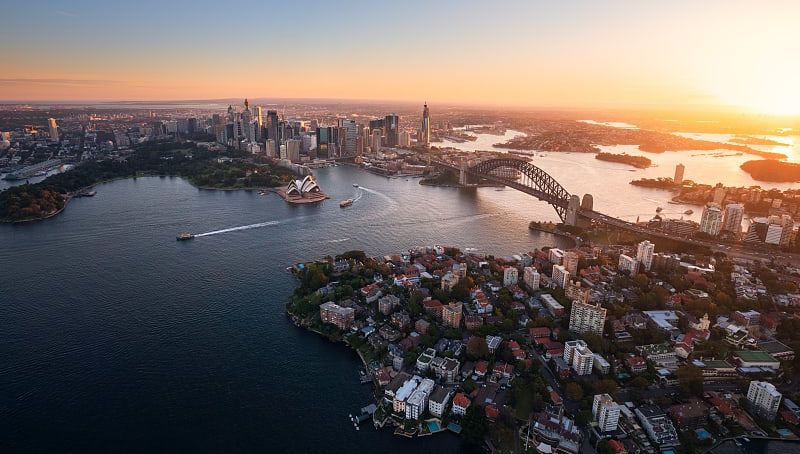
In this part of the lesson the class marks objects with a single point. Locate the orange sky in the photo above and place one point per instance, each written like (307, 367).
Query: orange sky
(617, 53)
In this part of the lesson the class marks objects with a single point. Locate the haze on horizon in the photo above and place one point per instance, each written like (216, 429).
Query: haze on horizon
(731, 54)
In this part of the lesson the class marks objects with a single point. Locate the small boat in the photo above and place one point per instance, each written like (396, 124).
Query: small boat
(688, 212)
(184, 236)
(659, 209)
(346, 203)
(355, 185)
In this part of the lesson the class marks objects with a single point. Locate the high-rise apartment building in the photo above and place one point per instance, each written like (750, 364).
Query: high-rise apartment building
(627, 263)
(451, 314)
(531, 278)
(605, 413)
(578, 356)
(570, 262)
(644, 254)
(764, 399)
(587, 318)
(510, 276)
(679, 174)
(560, 276)
(711, 220)
(732, 218)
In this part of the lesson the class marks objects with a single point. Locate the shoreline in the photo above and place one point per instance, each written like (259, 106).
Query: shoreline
(68, 198)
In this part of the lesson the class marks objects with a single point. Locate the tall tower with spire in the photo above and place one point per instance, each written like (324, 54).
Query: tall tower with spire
(425, 130)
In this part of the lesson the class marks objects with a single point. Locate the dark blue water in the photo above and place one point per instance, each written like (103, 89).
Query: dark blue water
(114, 337)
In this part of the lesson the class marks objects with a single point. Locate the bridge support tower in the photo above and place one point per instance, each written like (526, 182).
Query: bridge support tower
(463, 178)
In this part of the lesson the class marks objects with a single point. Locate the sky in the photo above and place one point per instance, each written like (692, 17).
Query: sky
(574, 54)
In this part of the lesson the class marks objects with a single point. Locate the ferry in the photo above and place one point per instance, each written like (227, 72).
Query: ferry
(346, 203)
(184, 236)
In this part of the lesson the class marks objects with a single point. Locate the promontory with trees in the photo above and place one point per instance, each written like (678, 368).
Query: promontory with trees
(202, 168)
(637, 161)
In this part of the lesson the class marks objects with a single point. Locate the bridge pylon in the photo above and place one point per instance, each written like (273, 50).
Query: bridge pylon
(573, 208)
(463, 178)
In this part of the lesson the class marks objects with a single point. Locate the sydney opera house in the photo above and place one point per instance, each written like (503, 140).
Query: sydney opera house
(303, 191)
(302, 187)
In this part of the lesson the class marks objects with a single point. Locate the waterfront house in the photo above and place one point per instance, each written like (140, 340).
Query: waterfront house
(437, 402)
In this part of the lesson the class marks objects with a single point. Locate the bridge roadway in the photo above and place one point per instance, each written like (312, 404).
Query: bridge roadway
(747, 252)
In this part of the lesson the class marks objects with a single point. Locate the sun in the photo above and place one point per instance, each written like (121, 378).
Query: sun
(766, 85)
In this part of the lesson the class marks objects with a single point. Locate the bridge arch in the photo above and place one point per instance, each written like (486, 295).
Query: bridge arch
(526, 178)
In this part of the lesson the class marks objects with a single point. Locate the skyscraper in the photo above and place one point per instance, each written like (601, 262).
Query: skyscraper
(732, 218)
(376, 140)
(293, 150)
(348, 135)
(644, 254)
(425, 131)
(679, 174)
(391, 128)
(711, 220)
(51, 122)
(405, 139)
(272, 126)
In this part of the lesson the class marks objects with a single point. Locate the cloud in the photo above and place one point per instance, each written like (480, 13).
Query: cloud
(66, 14)
(58, 81)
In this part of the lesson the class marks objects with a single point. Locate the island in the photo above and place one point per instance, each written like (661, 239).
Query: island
(749, 140)
(773, 171)
(636, 161)
(658, 183)
(204, 169)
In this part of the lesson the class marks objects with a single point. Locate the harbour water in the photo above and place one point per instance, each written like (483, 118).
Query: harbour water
(115, 337)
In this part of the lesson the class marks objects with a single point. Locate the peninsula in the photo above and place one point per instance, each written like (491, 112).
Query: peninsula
(516, 350)
(204, 169)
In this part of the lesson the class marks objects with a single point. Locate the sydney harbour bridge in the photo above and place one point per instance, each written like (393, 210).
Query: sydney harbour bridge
(522, 175)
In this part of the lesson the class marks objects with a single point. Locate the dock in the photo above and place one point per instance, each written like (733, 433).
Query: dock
(366, 413)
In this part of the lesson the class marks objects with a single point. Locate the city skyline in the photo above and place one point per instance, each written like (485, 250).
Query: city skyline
(619, 54)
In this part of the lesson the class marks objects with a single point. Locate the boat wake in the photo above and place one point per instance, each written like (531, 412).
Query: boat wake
(391, 201)
(243, 227)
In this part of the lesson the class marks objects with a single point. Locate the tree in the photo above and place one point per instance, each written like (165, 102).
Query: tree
(606, 386)
(477, 348)
(639, 382)
(474, 428)
(604, 448)
(690, 379)
(574, 391)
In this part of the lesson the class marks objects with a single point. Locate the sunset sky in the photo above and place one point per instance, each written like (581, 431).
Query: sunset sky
(522, 53)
